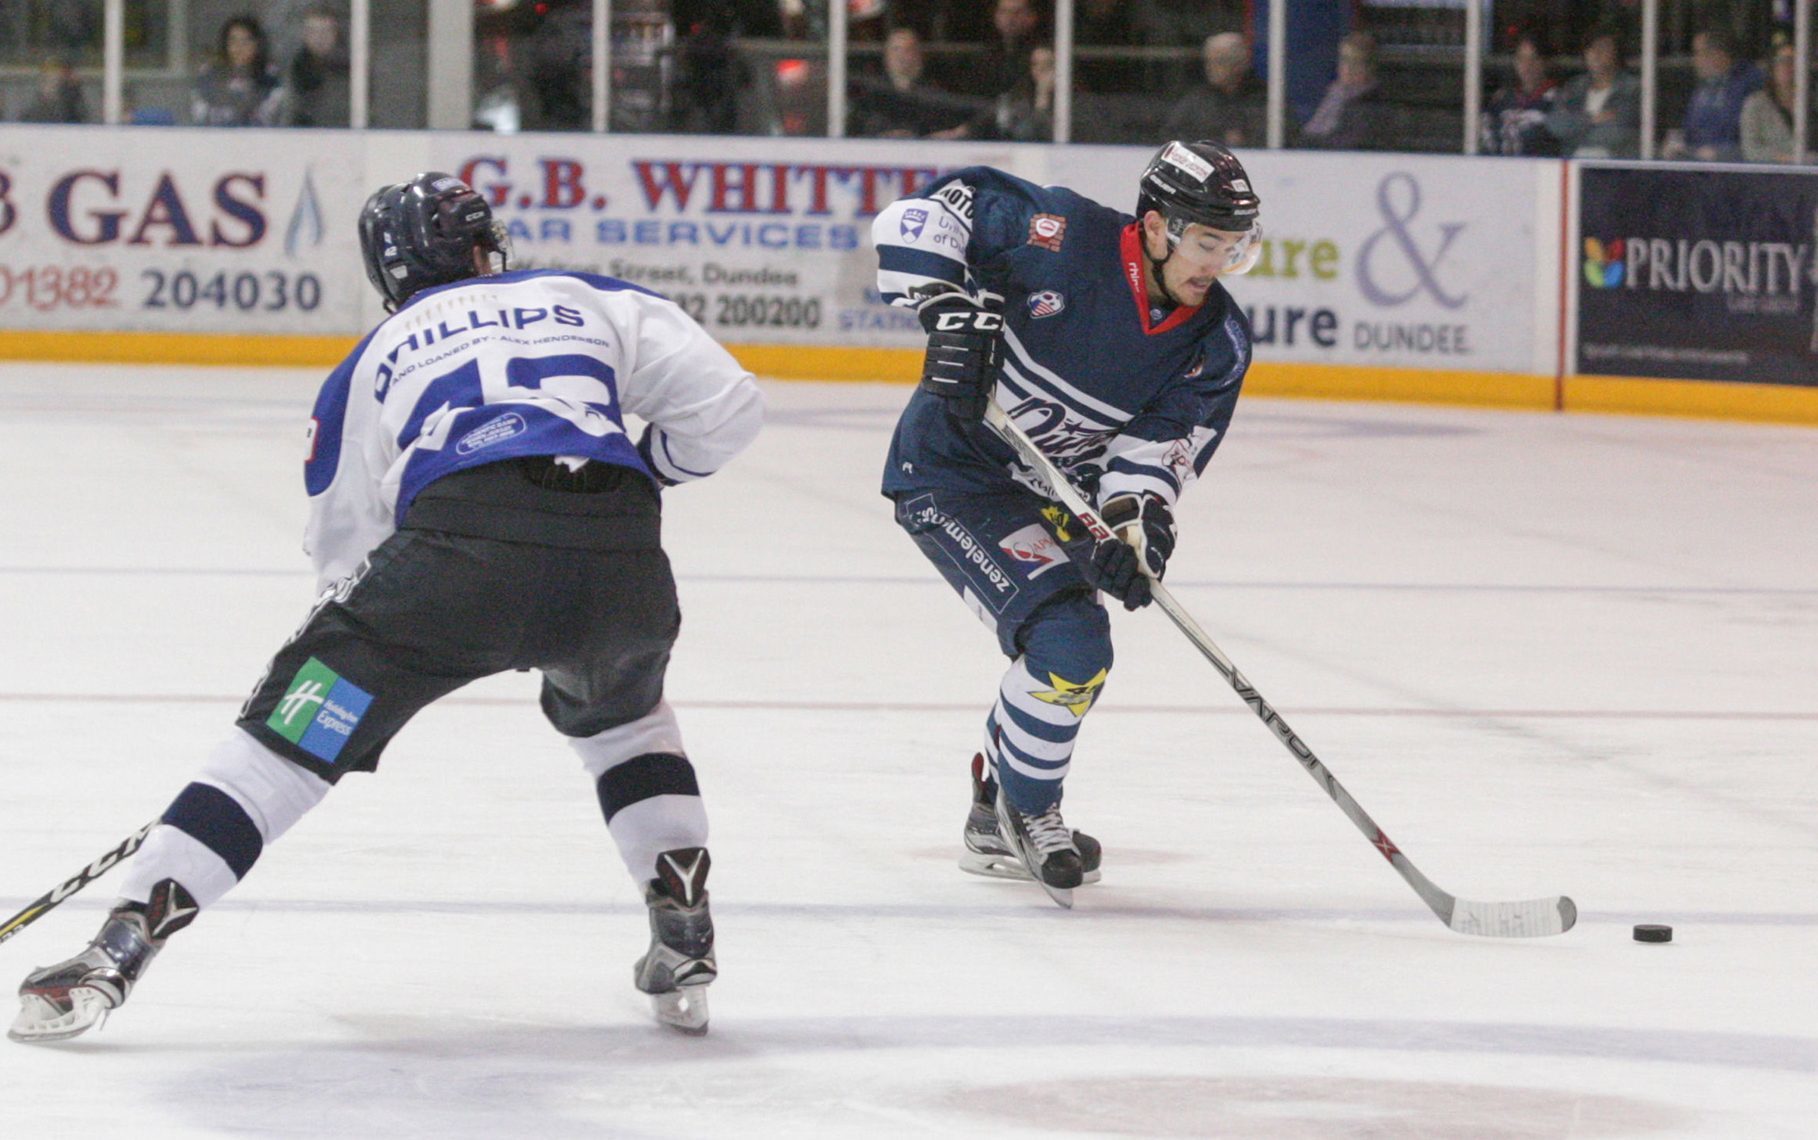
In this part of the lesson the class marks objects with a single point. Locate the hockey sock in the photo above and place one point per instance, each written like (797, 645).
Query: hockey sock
(647, 789)
(245, 797)
(1034, 722)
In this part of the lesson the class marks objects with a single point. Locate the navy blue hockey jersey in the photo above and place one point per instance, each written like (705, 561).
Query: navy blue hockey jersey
(1126, 398)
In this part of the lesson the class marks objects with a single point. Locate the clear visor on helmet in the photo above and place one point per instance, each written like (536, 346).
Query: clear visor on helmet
(1232, 252)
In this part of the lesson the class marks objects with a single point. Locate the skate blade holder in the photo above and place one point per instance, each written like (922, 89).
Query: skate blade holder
(40, 1021)
(683, 1008)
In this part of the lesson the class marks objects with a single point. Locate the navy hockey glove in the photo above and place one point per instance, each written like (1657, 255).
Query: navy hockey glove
(1147, 525)
(1115, 569)
(965, 344)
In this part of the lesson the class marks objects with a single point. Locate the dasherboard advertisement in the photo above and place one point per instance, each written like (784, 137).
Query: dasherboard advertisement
(180, 230)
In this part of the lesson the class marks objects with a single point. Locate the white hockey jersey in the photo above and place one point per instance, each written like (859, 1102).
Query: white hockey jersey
(531, 362)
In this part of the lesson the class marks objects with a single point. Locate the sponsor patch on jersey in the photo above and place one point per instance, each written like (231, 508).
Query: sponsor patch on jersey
(1179, 459)
(1181, 158)
(957, 196)
(1034, 546)
(319, 711)
(1046, 303)
(913, 220)
(1047, 231)
(309, 437)
(492, 431)
(992, 583)
(1074, 696)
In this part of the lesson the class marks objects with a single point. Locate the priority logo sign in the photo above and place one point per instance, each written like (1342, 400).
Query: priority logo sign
(319, 711)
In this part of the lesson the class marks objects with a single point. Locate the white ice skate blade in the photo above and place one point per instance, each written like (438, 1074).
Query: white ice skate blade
(1006, 866)
(41, 1021)
(684, 1008)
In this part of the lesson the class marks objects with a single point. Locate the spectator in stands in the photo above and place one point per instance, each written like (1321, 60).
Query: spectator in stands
(1232, 106)
(1767, 115)
(59, 96)
(1025, 113)
(1353, 114)
(1515, 121)
(317, 85)
(708, 72)
(904, 104)
(1016, 26)
(1713, 120)
(1598, 114)
(559, 75)
(239, 87)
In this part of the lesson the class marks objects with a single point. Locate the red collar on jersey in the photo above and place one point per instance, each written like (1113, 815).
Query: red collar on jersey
(1133, 273)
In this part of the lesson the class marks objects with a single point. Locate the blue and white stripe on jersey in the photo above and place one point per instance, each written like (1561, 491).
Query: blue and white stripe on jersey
(921, 242)
(527, 363)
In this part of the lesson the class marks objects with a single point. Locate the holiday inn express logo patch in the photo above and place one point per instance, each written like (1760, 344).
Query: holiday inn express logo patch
(319, 710)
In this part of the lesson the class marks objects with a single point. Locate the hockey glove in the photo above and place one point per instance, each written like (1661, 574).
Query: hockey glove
(1147, 525)
(1116, 569)
(965, 344)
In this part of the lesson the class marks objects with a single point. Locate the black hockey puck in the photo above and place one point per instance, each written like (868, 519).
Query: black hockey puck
(1648, 932)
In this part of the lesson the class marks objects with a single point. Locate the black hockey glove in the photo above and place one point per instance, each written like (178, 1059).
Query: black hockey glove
(1115, 569)
(1124, 566)
(1147, 525)
(965, 344)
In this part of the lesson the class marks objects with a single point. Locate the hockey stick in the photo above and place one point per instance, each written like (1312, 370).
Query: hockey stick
(1525, 919)
(76, 882)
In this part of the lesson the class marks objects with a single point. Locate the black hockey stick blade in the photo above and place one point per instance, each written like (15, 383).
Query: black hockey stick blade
(43, 903)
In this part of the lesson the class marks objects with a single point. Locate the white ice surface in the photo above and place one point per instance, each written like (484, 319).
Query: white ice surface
(1547, 653)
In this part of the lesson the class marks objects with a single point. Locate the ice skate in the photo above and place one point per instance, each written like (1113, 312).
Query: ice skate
(63, 1001)
(1045, 846)
(677, 968)
(986, 851)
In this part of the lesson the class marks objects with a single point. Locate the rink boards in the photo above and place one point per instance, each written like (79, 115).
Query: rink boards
(1500, 282)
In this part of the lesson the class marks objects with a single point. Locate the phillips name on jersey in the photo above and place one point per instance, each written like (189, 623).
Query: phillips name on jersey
(524, 363)
(1124, 396)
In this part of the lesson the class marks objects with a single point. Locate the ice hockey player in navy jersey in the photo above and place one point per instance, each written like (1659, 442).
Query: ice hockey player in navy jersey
(476, 506)
(1109, 339)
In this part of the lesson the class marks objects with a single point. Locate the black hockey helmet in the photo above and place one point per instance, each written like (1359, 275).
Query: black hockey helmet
(1188, 182)
(1198, 182)
(421, 233)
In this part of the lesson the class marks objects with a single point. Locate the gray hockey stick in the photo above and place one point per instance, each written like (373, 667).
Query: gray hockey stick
(1528, 918)
(74, 883)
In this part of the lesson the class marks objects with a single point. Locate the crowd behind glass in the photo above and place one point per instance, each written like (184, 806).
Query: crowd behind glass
(1558, 73)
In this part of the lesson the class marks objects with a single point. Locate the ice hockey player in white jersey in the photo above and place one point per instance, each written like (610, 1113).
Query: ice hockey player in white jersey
(1110, 340)
(476, 506)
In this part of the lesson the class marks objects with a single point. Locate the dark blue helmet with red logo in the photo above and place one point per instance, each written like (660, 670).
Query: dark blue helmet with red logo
(423, 233)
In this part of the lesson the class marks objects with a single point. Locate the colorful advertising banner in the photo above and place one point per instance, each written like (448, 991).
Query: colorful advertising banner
(760, 240)
(1400, 261)
(177, 230)
(1697, 274)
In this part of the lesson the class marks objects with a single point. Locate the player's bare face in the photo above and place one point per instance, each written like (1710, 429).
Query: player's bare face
(1201, 256)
